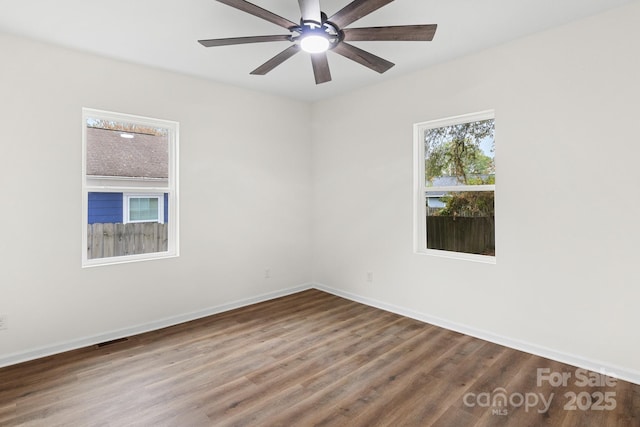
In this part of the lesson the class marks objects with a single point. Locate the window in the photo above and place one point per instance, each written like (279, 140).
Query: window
(130, 200)
(455, 187)
(143, 208)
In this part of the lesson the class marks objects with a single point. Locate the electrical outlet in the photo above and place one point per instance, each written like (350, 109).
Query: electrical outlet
(3, 321)
(267, 273)
(370, 276)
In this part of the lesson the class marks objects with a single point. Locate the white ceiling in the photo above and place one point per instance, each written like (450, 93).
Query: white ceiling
(163, 34)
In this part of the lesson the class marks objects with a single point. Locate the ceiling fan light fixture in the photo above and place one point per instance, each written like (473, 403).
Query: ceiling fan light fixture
(314, 43)
(317, 33)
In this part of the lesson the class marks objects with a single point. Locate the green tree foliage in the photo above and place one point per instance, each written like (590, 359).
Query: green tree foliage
(469, 203)
(454, 151)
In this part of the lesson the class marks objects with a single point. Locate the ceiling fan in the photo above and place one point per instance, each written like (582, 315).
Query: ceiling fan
(316, 34)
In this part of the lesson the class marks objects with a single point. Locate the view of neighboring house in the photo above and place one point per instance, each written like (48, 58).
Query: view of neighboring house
(435, 198)
(126, 160)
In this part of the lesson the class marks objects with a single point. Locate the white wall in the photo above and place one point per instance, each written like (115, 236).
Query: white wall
(244, 199)
(567, 205)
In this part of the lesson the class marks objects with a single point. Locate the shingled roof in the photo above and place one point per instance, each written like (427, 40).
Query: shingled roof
(143, 156)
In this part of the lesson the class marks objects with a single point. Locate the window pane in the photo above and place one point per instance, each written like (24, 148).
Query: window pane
(143, 209)
(461, 221)
(127, 150)
(460, 154)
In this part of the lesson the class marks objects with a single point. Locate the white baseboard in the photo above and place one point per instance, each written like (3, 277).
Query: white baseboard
(570, 359)
(37, 353)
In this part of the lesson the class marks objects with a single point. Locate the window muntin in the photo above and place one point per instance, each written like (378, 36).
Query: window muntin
(455, 187)
(129, 166)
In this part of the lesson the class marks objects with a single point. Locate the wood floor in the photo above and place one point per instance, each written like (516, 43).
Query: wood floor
(301, 360)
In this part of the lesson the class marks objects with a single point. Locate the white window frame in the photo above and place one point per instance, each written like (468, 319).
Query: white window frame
(420, 187)
(151, 188)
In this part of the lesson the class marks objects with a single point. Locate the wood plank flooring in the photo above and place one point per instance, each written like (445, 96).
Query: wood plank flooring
(306, 359)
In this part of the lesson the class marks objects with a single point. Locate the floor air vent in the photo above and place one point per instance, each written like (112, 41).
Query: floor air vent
(106, 343)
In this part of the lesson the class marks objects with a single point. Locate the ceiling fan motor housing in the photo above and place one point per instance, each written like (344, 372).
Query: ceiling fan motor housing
(325, 30)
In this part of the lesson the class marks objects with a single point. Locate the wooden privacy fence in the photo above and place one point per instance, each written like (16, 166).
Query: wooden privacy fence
(472, 235)
(109, 239)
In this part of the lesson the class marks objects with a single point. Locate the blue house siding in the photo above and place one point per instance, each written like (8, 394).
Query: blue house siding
(105, 208)
(166, 208)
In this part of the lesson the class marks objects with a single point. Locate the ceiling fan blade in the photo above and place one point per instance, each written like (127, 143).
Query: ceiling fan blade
(243, 40)
(362, 57)
(310, 10)
(254, 10)
(320, 67)
(356, 10)
(397, 33)
(276, 60)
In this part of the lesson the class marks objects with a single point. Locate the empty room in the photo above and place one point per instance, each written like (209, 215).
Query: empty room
(333, 212)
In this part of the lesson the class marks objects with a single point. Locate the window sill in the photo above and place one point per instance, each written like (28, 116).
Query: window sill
(97, 262)
(484, 259)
